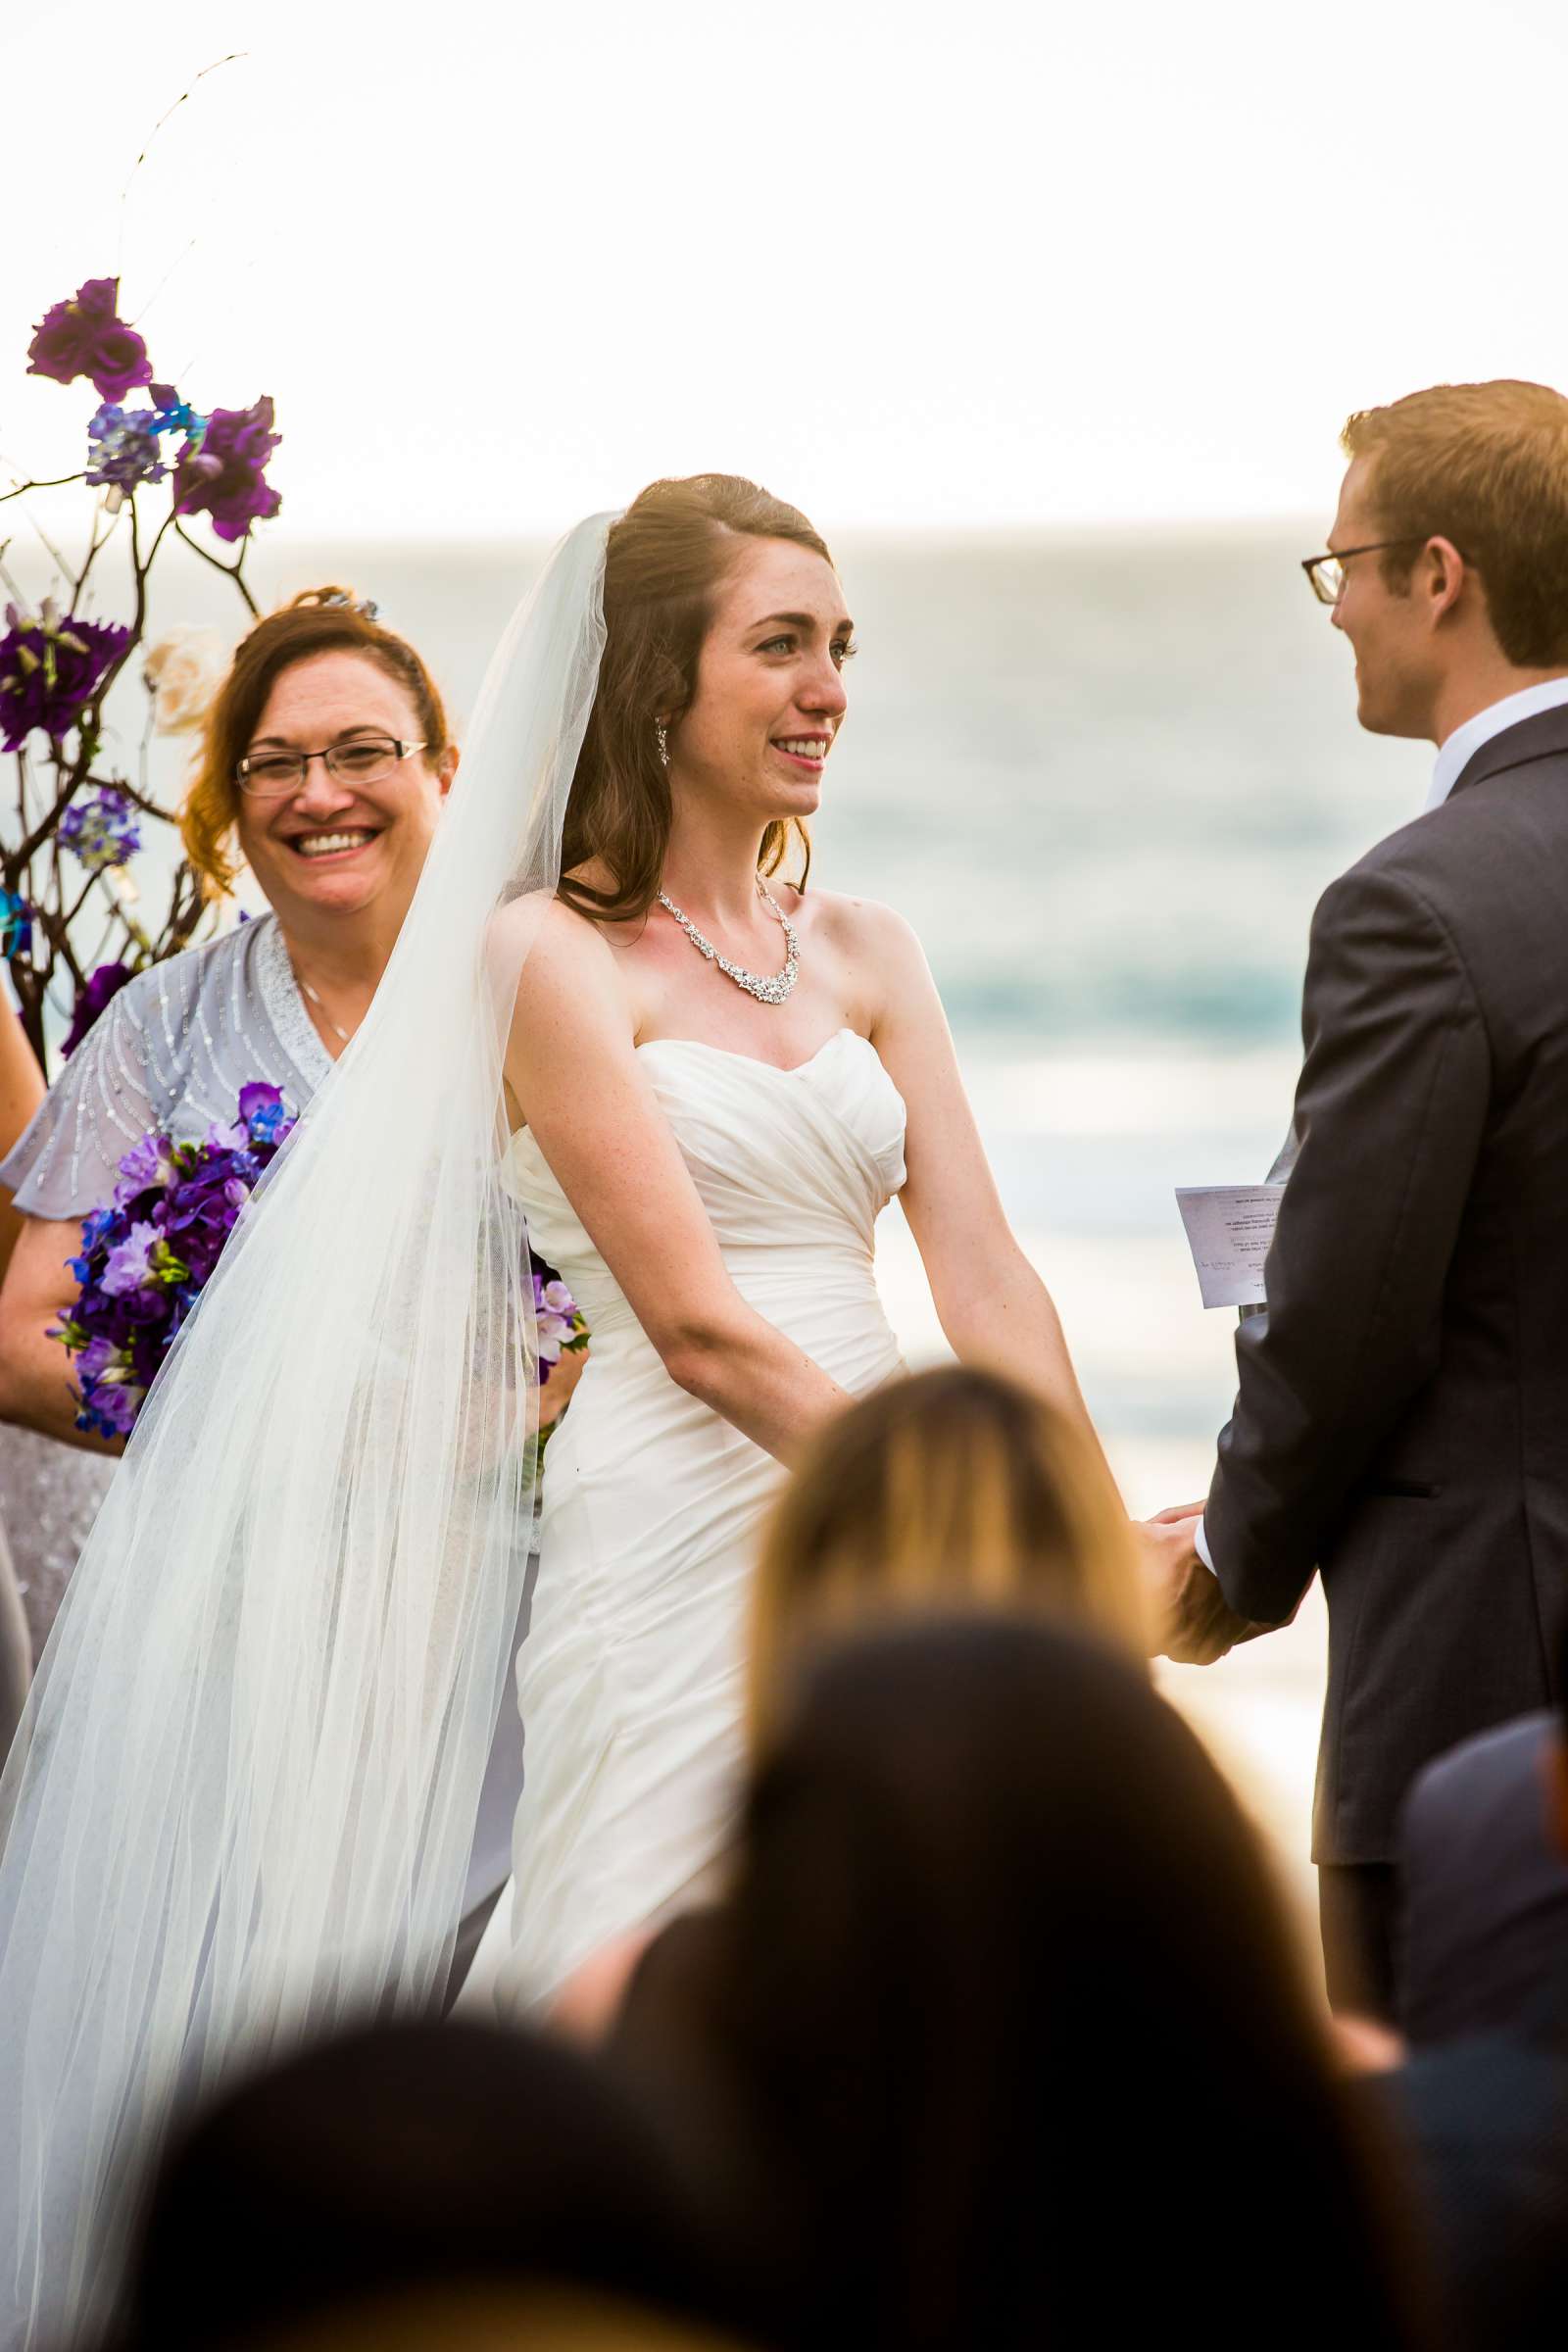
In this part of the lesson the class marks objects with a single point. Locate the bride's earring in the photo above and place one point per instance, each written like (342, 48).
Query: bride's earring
(662, 739)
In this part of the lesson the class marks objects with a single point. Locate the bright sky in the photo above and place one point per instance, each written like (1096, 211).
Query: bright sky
(973, 263)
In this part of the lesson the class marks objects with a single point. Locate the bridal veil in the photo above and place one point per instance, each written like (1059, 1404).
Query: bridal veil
(240, 1805)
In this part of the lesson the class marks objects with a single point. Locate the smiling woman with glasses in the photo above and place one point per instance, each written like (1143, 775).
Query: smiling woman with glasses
(322, 771)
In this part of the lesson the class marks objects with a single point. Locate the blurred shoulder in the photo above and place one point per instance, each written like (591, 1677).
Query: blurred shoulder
(1509, 1758)
(857, 927)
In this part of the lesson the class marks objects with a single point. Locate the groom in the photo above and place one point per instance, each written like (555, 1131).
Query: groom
(1401, 1420)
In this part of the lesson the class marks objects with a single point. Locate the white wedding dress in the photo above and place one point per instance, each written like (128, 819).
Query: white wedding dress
(629, 1679)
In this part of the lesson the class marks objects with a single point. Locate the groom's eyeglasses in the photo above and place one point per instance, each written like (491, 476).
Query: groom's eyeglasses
(1326, 573)
(365, 760)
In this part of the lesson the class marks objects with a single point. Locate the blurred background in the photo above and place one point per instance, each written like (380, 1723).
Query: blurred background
(1050, 324)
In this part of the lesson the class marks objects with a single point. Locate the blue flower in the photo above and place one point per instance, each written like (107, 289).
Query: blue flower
(124, 450)
(173, 415)
(16, 924)
(101, 831)
(96, 1228)
(265, 1113)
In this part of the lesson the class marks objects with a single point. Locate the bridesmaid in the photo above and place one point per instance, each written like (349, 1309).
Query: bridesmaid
(326, 761)
(324, 768)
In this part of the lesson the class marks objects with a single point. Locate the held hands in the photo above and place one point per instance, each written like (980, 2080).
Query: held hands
(1187, 1609)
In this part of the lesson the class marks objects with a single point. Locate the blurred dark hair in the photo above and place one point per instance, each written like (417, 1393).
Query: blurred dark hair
(410, 2156)
(1012, 2038)
(664, 561)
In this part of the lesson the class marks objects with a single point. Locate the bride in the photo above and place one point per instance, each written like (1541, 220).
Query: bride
(241, 1800)
(717, 1082)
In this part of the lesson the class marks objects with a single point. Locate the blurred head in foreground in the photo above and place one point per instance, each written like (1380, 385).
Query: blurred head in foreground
(415, 2158)
(1453, 522)
(1009, 2024)
(951, 1489)
(496, 2318)
(1556, 1763)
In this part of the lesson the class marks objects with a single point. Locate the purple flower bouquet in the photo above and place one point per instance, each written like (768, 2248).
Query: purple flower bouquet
(146, 1257)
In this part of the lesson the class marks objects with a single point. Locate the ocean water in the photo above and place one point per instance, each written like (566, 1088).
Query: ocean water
(1107, 778)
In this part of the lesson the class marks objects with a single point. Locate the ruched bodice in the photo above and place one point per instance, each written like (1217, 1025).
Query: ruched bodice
(785, 1162)
(629, 1678)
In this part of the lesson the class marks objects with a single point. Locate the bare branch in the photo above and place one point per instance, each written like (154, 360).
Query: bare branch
(230, 571)
(58, 483)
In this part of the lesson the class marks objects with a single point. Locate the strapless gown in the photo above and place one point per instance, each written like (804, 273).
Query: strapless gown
(629, 1678)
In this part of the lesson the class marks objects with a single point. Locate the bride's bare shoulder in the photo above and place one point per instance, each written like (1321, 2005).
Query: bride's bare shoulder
(860, 928)
(565, 972)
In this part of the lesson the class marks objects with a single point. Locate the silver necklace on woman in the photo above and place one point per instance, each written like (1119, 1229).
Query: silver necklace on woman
(769, 988)
(346, 1036)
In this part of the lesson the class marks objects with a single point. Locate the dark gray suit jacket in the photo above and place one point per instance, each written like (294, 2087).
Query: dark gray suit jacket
(1484, 1889)
(1401, 1421)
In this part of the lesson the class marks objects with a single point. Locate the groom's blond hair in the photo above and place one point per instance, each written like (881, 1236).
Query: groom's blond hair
(1485, 466)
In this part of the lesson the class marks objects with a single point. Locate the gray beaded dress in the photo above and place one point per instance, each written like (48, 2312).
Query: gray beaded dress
(171, 1051)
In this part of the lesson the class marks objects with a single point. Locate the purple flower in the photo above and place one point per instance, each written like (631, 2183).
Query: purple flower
(104, 986)
(109, 1407)
(102, 1361)
(86, 336)
(557, 1320)
(221, 470)
(148, 1166)
(130, 1266)
(101, 831)
(50, 667)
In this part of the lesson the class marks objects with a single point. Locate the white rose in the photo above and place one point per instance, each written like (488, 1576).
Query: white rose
(183, 671)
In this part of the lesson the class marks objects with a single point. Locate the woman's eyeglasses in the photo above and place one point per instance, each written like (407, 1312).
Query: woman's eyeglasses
(363, 759)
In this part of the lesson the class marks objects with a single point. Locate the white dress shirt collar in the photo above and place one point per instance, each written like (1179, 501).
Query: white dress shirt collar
(1465, 743)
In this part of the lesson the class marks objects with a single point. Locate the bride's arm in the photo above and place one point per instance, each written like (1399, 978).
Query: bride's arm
(572, 1067)
(992, 1304)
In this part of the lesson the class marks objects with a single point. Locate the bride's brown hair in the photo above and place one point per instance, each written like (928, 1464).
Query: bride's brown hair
(664, 559)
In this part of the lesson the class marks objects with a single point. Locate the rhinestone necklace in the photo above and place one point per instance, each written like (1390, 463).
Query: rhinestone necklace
(769, 988)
